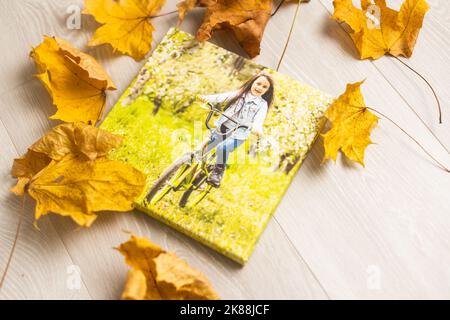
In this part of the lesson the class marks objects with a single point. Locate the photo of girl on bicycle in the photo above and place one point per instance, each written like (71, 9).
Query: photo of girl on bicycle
(220, 138)
(244, 113)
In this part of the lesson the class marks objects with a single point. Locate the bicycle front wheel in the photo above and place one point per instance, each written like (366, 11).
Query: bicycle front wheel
(196, 193)
(168, 180)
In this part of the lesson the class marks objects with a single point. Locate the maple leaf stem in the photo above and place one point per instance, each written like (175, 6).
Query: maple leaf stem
(16, 237)
(429, 85)
(277, 8)
(289, 36)
(290, 31)
(162, 14)
(411, 137)
(343, 24)
(281, 3)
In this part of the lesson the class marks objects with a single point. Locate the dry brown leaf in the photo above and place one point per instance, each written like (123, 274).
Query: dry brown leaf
(75, 80)
(136, 286)
(77, 139)
(79, 189)
(246, 19)
(184, 7)
(157, 274)
(66, 172)
(26, 167)
(395, 33)
(126, 24)
(89, 67)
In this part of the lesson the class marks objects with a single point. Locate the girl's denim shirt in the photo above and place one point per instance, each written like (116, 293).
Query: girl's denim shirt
(250, 111)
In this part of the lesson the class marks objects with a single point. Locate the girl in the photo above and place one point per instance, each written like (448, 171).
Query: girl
(248, 106)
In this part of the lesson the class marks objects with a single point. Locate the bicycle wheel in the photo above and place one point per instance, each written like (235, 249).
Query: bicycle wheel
(166, 181)
(196, 192)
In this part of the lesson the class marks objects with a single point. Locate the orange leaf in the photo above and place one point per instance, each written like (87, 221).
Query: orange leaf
(26, 167)
(79, 189)
(246, 19)
(66, 172)
(76, 139)
(377, 29)
(75, 80)
(160, 275)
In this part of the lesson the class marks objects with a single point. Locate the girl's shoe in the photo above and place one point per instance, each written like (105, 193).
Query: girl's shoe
(216, 175)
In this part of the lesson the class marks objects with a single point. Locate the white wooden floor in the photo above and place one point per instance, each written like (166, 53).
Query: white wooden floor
(340, 232)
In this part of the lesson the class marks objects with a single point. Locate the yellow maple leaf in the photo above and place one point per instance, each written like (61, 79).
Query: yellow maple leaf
(26, 167)
(352, 123)
(377, 29)
(125, 24)
(246, 19)
(75, 80)
(79, 189)
(67, 173)
(77, 139)
(160, 275)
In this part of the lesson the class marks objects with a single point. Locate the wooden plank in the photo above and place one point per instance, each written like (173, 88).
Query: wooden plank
(431, 55)
(103, 269)
(378, 232)
(41, 267)
(274, 271)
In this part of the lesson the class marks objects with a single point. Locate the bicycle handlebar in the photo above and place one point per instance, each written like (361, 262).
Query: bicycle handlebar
(210, 114)
(214, 110)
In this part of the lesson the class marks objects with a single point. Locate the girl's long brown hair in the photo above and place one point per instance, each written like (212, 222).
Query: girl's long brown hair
(268, 96)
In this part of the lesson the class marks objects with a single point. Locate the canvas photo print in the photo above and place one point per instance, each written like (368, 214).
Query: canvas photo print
(219, 137)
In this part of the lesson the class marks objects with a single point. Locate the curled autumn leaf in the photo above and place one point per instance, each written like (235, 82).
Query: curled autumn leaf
(77, 139)
(184, 7)
(26, 167)
(246, 19)
(79, 189)
(160, 275)
(75, 80)
(352, 123)
(126, 24)
(67, 173)
(377, 29)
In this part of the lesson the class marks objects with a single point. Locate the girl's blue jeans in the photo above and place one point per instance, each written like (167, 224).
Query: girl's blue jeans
(224, 147)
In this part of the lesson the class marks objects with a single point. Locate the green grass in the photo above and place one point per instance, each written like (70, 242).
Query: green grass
(230, 218)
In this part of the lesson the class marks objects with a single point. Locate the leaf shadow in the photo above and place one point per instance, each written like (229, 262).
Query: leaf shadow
(312, 165)
(348, 164)
(339, 33)
(103, 53)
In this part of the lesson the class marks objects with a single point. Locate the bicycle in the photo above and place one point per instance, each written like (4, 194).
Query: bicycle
(190, 172)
